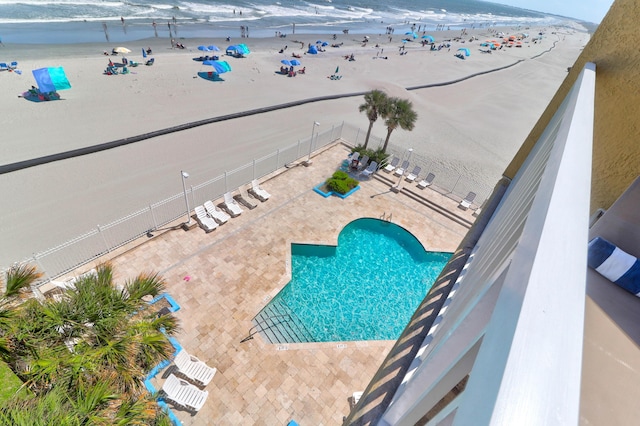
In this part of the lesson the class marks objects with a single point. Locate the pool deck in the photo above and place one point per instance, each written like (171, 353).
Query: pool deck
(221, 280)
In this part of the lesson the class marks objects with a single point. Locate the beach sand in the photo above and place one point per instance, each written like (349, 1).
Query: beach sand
(474, 126)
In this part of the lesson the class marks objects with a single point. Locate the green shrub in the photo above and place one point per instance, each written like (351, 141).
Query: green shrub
(341, 182)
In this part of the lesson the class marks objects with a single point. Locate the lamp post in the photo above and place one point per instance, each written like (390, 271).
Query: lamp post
(185, 175)
(313, 129)
(397, 187)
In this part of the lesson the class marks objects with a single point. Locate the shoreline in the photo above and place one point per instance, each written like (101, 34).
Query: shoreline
(472, 127)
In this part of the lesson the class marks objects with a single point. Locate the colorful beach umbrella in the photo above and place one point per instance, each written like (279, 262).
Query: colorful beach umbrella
(51, 79)
(219, 66)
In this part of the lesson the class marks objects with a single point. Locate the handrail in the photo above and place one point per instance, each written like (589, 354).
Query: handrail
(254, 332)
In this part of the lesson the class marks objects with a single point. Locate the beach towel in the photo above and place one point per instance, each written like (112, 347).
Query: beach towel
(614, 264)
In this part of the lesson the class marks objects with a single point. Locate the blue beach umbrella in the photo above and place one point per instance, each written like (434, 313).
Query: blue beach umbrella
(295, 62)
(429, 38)
(219, 66)
(213, 48)
(318, 41)
(286, 62)
(51, 79)
(203, 48)
(412, 34)
(324, 43)
(465, 50)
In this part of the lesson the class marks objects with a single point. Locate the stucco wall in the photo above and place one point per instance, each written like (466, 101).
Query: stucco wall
(614, 48)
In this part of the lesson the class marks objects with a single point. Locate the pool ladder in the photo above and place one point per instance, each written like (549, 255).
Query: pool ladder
(260, 326)
(385, 217)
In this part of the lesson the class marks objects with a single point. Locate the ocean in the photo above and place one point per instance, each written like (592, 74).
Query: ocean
(75, 21)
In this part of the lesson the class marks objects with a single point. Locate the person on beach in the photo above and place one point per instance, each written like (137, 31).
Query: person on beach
(1, 43)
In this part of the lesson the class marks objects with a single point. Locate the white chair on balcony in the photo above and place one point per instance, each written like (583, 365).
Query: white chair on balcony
(194, 369)
(184, 394)
(371, 169)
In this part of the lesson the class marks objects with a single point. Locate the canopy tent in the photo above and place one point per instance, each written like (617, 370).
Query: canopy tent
(313, 50)
(51, 79)
(466, 51)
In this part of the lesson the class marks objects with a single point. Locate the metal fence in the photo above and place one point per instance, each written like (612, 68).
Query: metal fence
(103, 239)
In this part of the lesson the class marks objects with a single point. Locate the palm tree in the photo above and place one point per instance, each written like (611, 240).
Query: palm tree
(94, 347)
(398, 113)
(374, 103)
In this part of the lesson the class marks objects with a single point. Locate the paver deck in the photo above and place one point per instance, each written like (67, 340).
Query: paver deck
(222, 279)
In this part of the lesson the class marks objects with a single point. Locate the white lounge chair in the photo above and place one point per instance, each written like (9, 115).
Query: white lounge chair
(194, 369)
(205, 221)
(371, 169)
(400, 170)
(183, 393)
(392, 165)
(414, 174)
(466, 203)
(232, 205)
(426, 181)
(243, 198)
(215, 213)
(260, 193)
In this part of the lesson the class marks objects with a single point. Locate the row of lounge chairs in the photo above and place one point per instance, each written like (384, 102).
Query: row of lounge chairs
(181, 392)
(210, 216)
(11, 66)
(412, 176)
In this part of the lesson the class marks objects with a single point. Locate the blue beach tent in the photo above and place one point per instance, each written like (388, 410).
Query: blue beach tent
(313, 50)
(465, 50)
(51, 79)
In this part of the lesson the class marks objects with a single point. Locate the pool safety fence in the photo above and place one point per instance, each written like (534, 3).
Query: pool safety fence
(104, 239)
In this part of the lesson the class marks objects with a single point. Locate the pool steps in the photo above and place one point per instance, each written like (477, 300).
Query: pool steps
(277, 324)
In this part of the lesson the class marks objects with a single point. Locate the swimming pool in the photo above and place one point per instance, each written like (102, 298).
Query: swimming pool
(365, 288)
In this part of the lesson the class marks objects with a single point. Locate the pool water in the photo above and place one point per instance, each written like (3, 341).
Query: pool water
(366, 288)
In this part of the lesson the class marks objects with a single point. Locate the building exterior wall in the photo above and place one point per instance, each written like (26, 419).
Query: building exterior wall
(616, 145)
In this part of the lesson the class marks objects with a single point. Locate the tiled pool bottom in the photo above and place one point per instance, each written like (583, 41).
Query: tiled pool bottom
(366, 288)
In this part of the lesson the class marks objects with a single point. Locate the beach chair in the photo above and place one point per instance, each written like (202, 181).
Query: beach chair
(205, 221)
(242, 197)
(232, 207)
(364, 161)
(13, 65)
(371, 169)
(150, 62)
(426, 181)
(466, 202)
(392, 165)
(194, 369)
(258, 192)
(183, 393)
(414, 174)
(215, 213)
(4, 66)
(403, 167)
